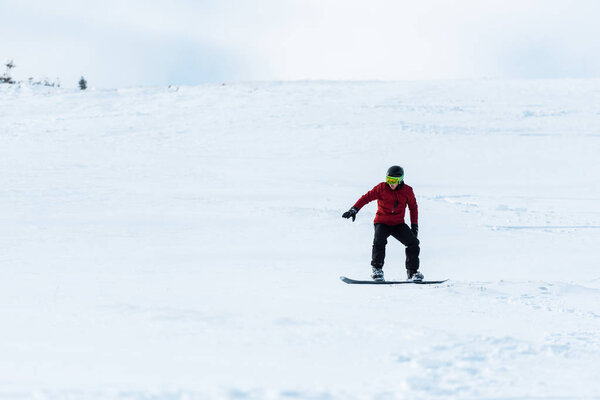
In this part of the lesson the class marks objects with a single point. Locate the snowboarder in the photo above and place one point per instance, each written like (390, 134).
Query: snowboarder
(392, 197)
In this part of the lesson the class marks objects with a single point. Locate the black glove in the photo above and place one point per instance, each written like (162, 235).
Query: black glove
(414, 229)
(350, 213)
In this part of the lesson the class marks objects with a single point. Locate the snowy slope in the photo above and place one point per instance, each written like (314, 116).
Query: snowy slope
(162, 244)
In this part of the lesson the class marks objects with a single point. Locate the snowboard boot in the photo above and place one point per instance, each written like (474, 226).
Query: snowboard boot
(377, 274)
(414, 275)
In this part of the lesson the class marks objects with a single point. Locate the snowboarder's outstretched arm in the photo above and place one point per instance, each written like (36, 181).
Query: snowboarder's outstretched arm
(368, 197)
(414, 213)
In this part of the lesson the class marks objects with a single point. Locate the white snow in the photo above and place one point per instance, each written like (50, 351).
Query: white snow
(186, 244)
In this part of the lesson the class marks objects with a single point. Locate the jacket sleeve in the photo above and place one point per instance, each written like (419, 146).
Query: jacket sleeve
(413, 208)
(368, 197)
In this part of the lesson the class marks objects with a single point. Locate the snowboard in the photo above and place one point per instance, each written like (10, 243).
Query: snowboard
(358, 282)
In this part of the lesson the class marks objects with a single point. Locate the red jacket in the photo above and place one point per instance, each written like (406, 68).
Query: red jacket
(391, 204)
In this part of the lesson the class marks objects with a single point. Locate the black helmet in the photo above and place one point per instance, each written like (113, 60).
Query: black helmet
(396, 171)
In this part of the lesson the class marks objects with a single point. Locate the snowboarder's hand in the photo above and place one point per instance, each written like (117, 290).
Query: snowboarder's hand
(414, 229)
(350, 213)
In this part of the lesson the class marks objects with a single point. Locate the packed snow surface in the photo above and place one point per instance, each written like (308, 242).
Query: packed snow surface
(187, 243)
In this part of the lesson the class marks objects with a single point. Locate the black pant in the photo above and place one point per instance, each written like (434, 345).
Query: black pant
(402, 233)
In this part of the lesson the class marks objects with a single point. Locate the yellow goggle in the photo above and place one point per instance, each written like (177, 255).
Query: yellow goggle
(392, 180)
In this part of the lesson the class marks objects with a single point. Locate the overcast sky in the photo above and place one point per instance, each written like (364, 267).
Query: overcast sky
(160, 42)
